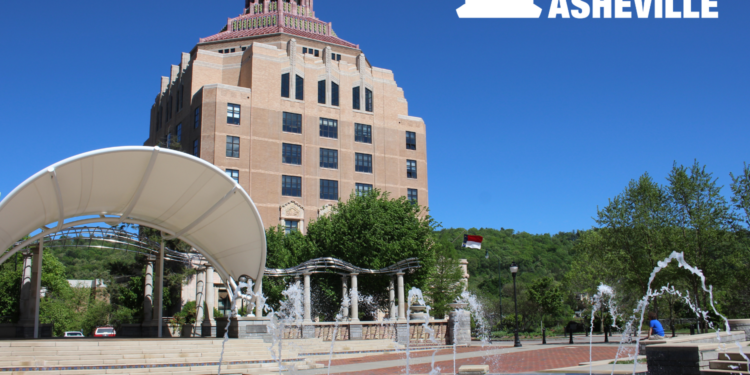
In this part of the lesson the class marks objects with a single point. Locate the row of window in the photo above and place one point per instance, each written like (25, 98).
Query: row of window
(291, 186)
(299, 92)
(292, 154)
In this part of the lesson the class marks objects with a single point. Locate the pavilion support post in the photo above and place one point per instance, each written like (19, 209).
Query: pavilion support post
(402, 326)
(344, 294)
(392, 299)
(159, 305)
(208, 328)
(355, 329)
(28, 322)
(200, 300)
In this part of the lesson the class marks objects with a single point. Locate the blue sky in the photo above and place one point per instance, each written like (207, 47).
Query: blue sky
(531, 123)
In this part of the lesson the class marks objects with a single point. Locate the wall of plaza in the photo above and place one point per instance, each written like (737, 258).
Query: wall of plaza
(194, 107)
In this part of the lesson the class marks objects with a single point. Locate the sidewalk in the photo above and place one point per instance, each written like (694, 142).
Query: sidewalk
(532, 357)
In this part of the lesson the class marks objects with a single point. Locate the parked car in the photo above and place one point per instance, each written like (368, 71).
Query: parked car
(105, 332)
(73, 334)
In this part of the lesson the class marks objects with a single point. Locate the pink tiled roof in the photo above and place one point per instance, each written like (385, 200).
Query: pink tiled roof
(226, 35)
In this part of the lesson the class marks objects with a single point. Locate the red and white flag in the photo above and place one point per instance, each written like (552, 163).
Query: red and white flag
(472, 242)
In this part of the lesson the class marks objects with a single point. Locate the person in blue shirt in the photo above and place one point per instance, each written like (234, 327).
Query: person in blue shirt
(656, 330)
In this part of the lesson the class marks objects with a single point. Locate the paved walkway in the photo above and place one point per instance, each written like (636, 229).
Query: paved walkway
(502, 359)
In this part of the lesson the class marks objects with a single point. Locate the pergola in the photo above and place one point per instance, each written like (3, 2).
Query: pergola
(348, 270)
(182, 196)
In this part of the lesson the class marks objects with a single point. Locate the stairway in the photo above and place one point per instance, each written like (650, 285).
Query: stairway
(730, 362)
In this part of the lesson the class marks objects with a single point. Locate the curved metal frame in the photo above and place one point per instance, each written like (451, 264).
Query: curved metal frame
(322, 265)
(114, 239)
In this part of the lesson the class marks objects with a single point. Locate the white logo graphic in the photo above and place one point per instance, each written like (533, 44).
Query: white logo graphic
(499, 9)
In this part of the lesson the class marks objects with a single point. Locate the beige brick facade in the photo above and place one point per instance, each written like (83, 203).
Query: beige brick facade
(208, 79)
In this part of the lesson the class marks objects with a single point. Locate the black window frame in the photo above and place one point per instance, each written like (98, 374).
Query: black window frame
(291, 122)
(291, 154)
(368, 100)
(299, 89)
(322, 92)
(289, 228)
(362, 189)
(197, 148)
(355, 98)
(362, 162)
(197, 118)
(233, 146)
(285, 82)
(334, 94)
(329, 158)
(411, 136)
(411, 168)
(178, 133)
(234, 174)
(233, 113)
(291, 186)
(329, 128)
(412, 195)
(329, 190)
(362, 133)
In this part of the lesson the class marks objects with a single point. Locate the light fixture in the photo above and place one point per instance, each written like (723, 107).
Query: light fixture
(514, 268)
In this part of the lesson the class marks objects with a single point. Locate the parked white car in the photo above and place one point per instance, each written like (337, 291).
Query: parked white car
(74, 334)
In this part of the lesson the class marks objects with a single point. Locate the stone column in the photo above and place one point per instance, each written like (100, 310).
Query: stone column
(307, 299)
(26, 306)
(30, 288)
(355, 299)
(344, 294)
(392, 299)
(259, 302)
(200, 300)
(401, 298)
(36, 282)
(148, 292)
(209, 326)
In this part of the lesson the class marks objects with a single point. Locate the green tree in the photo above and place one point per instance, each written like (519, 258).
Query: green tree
(741, 193)
(373, 231)
(445, 282)
(546, 298)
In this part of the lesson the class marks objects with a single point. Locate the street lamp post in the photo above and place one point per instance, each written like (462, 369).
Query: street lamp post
(513, 271)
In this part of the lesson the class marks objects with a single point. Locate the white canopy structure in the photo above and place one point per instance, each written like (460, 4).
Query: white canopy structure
(183, 196)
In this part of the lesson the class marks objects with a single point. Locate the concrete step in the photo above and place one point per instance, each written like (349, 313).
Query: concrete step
(723, 372)
(728, 365)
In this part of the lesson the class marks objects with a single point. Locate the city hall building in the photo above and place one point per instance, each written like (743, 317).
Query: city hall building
(293, 113)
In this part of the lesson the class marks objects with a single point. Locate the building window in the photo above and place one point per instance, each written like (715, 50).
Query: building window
(363, 189)
(329, 158)
(335, 57)
(299, 92)
(412, 195)
(322, 92)
(178, 133)
(317, 53)
(234, 174)
(292, 122)
(368, 100)
(362, 133)
(363, 163)
(291, 154)
(285, 85)
(329, 128)
(411, 169)
(334, 94)
(355, 97)
(197, 118)
(291, 186)
(233, 114)
(411, 140)
(233, 147)
(197, 148)
(291, 226)
(329, 189)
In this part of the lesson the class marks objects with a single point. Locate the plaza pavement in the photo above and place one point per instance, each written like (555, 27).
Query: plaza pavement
(501, 356)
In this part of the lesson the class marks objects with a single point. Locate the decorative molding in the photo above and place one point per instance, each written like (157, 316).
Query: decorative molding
(243, 90)
(326, 210)
(410, 118)
(292, 210)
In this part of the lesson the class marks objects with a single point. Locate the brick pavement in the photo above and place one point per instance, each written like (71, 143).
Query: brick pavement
(512, 362)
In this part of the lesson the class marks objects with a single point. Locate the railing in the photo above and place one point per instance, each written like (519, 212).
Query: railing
(373, 331)
(298, 19)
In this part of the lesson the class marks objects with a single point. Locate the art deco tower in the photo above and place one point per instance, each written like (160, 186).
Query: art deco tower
(295, 114)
